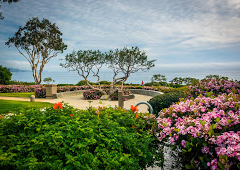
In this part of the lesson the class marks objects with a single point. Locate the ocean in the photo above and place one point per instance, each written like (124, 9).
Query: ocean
(70, 77)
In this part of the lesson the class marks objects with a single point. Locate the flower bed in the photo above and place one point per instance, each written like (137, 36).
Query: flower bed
(92, 95)
(214, 87)
(17, 88)
(206, 130)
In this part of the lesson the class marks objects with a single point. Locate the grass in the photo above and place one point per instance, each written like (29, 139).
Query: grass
(12, 106)
(28, 94)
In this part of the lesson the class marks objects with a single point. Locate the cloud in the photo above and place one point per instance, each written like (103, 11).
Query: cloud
(22, 65)
(163, 28)
(200, 65)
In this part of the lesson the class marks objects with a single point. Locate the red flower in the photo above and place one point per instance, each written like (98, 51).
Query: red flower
(1, 116)
(58, 105)
(134, 109)
(71, 115)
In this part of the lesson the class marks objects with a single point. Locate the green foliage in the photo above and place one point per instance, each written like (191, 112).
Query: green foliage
(38, 42)
(122, 62)
(159, 78)
(48, 80)
(67, 138)
(27, 94)
(84, 83)
(9, 2)
(162, 101)
(7, 106)
(14, 82)
(217, 77)
(5, 75)
(105, 82)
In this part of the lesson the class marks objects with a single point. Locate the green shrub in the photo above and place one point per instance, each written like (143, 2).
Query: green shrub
(5, 75)
(105, 82)
(162, 101)
(15, 82)
(64, 85)
(67, 138)
(83, 83)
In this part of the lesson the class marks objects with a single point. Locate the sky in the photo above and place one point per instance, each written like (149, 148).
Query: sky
(179, 34)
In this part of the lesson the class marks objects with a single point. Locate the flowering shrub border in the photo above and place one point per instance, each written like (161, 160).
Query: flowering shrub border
(205, 129)
(214, 87)
(92, 95)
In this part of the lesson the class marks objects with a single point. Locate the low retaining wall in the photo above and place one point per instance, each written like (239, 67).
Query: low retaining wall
(145, 92)
(68, 94)
(80, 92)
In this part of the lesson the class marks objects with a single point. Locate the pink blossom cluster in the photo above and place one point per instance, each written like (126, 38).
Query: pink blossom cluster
(17, 88)
(215, 120)
(71, 88)
(92, 95)
(215, 86)
(40, 92)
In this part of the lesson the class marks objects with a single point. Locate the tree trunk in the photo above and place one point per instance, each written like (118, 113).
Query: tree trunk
(37, 77)
(93, 88)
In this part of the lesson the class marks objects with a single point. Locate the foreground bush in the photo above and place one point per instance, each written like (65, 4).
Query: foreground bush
(66, 138)
(205, 131)
(162, 101)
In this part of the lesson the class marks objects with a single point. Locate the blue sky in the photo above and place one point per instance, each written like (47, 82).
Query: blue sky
(180, 34)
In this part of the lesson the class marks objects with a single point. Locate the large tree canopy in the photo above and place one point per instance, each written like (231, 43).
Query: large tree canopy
(122, 62)
(9, 2)
(38, 41)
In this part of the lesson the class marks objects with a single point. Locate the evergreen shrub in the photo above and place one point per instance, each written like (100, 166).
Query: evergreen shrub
(162, 101)
(62, 137)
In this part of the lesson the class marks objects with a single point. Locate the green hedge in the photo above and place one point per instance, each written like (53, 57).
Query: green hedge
(67, 138)
(162, 101)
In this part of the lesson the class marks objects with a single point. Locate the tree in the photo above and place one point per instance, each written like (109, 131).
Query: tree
(41, 41)
(9, 2)
(5, 75)
(86, 63)
(48, 80)
(122, 62)
(125, 62)
(161, 79)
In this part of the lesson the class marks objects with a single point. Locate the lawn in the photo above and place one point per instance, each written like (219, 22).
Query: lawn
(7, 106)
(28, 94)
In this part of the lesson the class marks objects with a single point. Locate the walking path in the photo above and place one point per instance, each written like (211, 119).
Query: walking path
(79, 102)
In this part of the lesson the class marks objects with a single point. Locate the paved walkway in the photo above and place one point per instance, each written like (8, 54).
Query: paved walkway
(79, 102)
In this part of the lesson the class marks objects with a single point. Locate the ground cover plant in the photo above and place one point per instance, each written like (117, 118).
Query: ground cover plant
(62, 137)
(20, 94)
(11, 106)
(204, 131)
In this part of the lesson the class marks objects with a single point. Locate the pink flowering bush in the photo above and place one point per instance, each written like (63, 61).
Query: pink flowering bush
(40, 92)
(205, 131)
(17, 88)
(214, 87)
(92, 95)
(71, 88)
